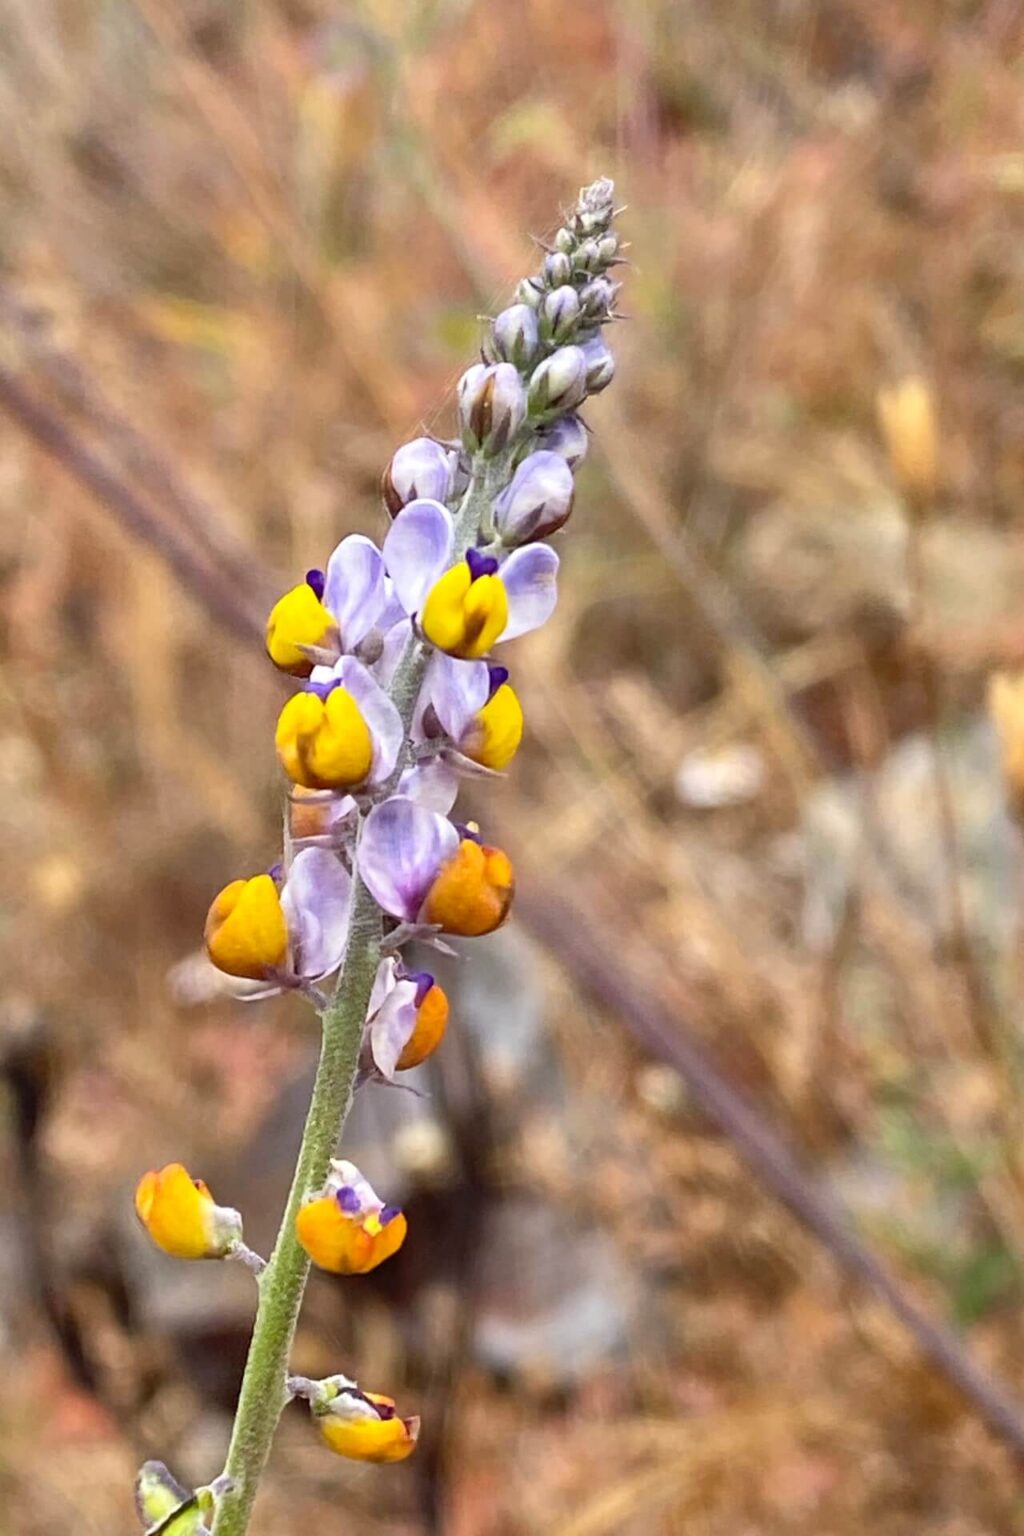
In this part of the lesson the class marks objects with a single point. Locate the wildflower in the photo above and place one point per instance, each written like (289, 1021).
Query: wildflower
(420, 870)
(346, 1229)
(363, 1425)
(180, 1216)
(340, 733)
(478, 710)
(1006, 710)
(538, 500)
(407, 1018)
(287, 937)
(906, 412)
(600, 364)
(345, 610)
(300, 624)
(558, 384)
(420, 468)
(492, 406)
(464, 609)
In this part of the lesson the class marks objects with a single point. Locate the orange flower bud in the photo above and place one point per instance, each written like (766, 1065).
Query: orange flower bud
(180, 1216)
(472, 892)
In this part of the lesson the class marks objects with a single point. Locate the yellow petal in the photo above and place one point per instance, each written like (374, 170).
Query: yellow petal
(472, 892)
(180, 1216)
(385, 1440)
(297, 619)
(246, 933)
(343, 1244)
(462, 616)
(324, 744)
(494, 736)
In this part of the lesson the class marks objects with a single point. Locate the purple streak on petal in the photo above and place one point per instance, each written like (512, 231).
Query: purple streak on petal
(315, 579)
(316, 900)
(275, 872)
(466, 834)
(458, 691)
(401, 850)
(321, 687)
(354, 591)
(480, 564)
(348, 1201)
(529, 575)
(417, 550)
(424, 981)
(387, 1214)
(497, 677)
(381, 716)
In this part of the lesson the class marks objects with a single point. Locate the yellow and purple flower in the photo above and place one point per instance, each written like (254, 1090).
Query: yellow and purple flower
(345, 610)
(422, 870)
(406, 1021)
(339, 733)
(363, 1426)
(282, 936)
(346, 1229)
(181, 1217)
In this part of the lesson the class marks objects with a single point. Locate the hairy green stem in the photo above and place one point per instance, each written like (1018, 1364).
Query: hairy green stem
(283, 1282)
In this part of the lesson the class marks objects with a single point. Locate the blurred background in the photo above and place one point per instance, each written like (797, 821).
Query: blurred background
(243, 248)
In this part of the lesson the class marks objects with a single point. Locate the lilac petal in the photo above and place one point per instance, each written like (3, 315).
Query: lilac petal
(316, 900)
(458, 691)
(391, 1028)
(381, 716)
(417, 550)
(393, 644)
(401, 850)
(529, 577)
(432, 784)
(354, 588)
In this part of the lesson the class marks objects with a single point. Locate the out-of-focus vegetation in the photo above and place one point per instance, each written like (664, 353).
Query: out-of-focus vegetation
(257, 234)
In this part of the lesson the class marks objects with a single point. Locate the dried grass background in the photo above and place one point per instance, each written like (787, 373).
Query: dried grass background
(258, 234)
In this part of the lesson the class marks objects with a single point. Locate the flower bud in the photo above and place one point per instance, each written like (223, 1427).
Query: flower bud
(568, 438)
(537, 501)
(557, 268)
(565, 241)
(363, 1425)
(530, 292)
(346, 1229)
(607, 249)
(180, 1216)
(420, 468)
(166, 1507)
(246, 933)
(559, 313)
(516, 337)
(558, 384)
(600, 364)
(589, 256)
(597, 297)
(299, 620)
(907, 416)
(472, 892)
(467, 608)
(324, 743)
(492, 406)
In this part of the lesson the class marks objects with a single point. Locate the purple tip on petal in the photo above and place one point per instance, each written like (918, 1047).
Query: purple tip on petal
(315, 579)
(480, 564)
(423, 981)
(466, 834)
(497, 678)
(383, 1410)
(276, 873)
(388, 1213)
(322, 689)
(348, 1200)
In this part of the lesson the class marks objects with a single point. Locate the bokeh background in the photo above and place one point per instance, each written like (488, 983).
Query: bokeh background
(243, 247)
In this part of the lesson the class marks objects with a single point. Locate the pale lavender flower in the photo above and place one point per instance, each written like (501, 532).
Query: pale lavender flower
(492, 406)
(558, 384)
(538, 500)
(422, 468)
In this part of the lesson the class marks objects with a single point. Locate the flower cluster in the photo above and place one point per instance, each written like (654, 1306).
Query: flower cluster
(399, 698)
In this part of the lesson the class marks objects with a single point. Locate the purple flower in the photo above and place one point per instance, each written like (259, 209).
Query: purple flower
(316, 899)
(400, 853)
(394, 1004)
(492, 406)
